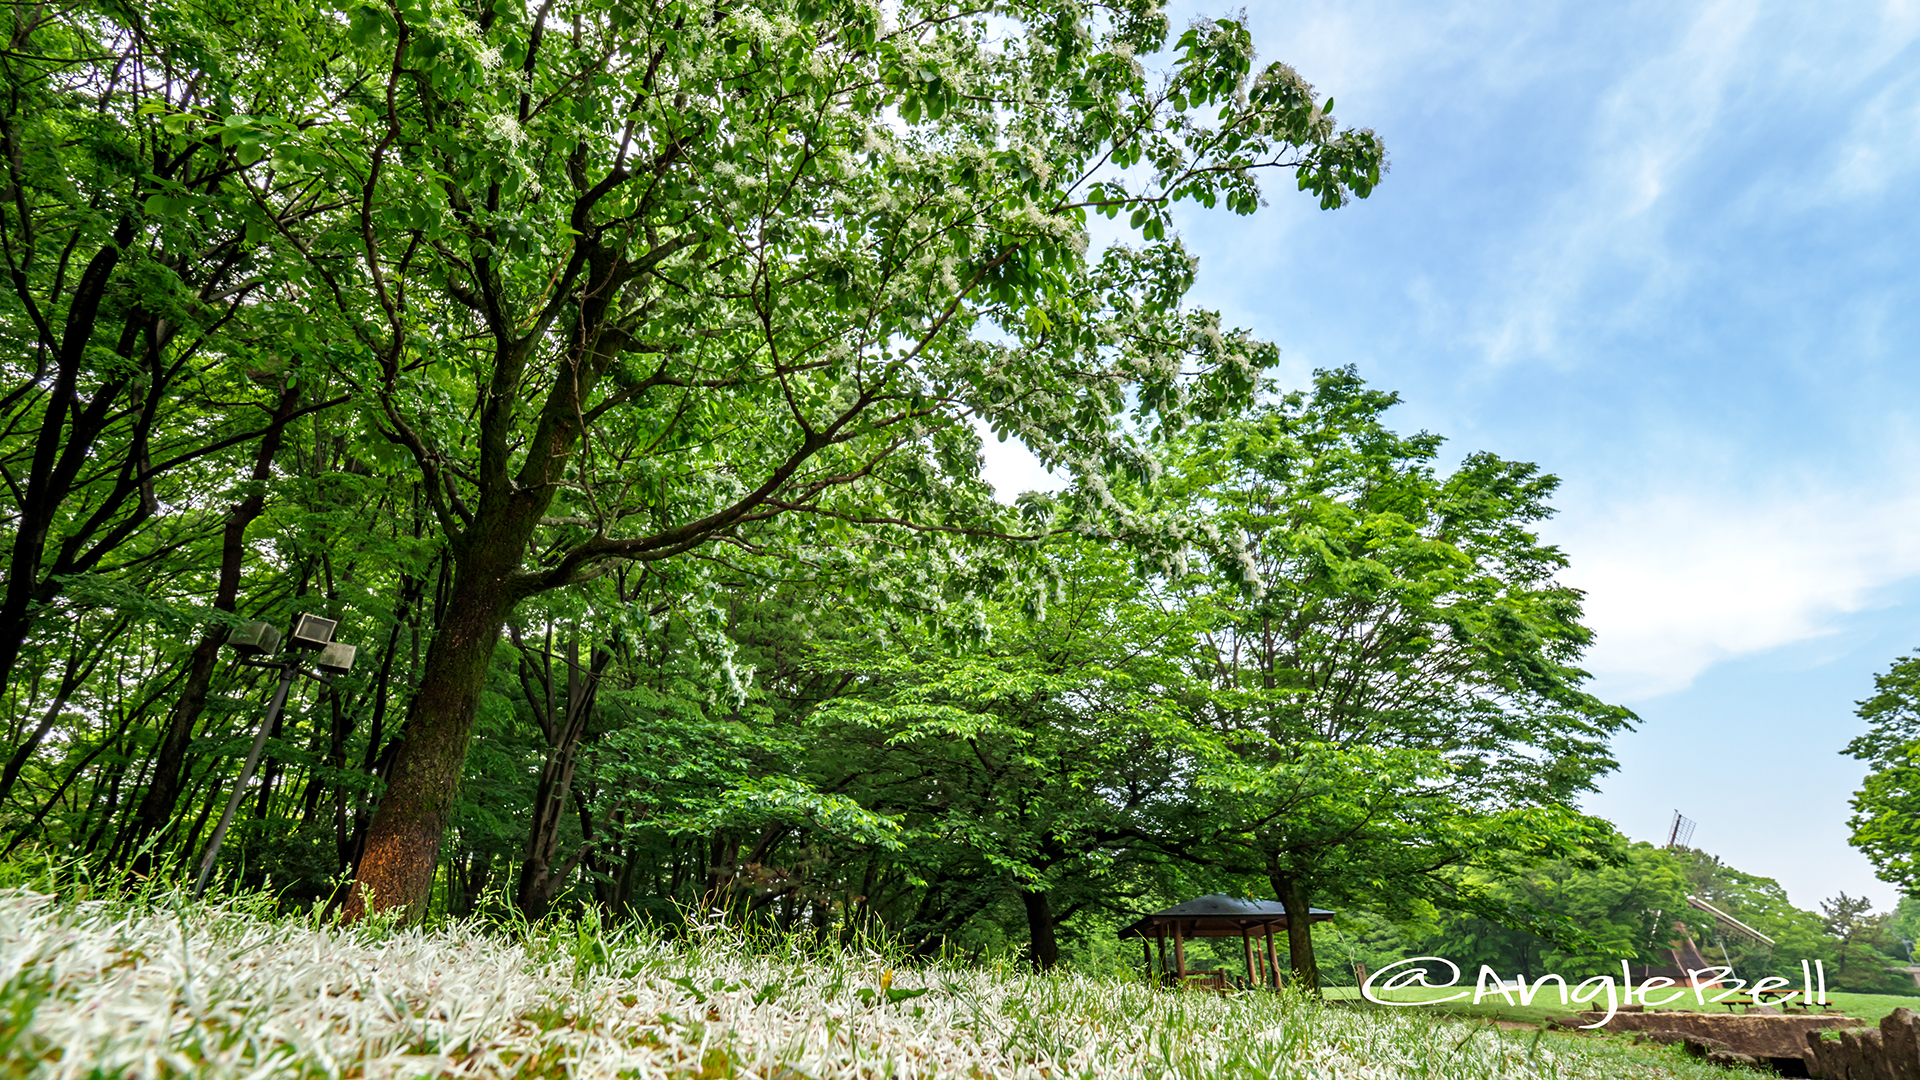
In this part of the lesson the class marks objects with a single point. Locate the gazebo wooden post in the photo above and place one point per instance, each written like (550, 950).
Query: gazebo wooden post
(1273, 962)
(1253, 965)
(1160, 932)
(1179, 955)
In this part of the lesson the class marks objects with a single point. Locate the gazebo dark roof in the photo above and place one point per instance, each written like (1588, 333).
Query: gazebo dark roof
(1217, 915)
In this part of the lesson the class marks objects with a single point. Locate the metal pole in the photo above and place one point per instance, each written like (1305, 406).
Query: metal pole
(287, 670)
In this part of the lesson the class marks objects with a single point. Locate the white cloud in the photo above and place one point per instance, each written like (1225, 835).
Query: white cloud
(1644, 131)
(1822, 111)
(1882, 146)
(1680, 581)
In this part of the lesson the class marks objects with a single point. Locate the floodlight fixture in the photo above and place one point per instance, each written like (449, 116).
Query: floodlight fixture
(311, 632)
(335, 659)
(254, 639)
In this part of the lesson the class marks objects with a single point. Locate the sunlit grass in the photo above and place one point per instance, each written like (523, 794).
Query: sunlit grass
(165, 987)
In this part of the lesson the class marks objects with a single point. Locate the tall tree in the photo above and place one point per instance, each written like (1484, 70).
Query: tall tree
(1862, 941)
(632, 278)
(560, 691)
(1394, 693)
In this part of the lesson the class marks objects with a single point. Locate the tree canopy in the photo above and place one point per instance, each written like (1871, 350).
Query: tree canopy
(616, 377)
(627, 281)
(1390, 691)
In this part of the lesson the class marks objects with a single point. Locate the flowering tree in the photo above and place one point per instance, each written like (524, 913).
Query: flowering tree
(626, 279)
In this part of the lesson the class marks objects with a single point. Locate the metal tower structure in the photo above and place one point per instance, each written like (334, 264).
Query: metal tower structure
(1680, 834)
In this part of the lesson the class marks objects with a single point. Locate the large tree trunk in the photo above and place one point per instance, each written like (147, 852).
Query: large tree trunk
(1046, 949)
(403, 840)
(1292, 891)
(169, 772)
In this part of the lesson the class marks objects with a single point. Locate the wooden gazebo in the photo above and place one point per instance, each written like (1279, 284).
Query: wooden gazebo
(1216, 915)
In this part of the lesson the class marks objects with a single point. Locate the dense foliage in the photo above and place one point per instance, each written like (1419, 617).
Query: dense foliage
(450, 319)
(1390, 696)
(615, 375)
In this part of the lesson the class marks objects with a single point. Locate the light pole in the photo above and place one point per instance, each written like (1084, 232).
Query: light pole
(310, 634)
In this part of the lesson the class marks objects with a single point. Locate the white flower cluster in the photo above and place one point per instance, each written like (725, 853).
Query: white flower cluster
(761, 26)
(503, 128)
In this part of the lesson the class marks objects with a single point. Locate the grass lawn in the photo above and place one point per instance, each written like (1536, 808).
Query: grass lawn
(1868, 1007)
(164, 986)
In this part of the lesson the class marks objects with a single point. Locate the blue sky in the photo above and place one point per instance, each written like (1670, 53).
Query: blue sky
(1671, 252)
